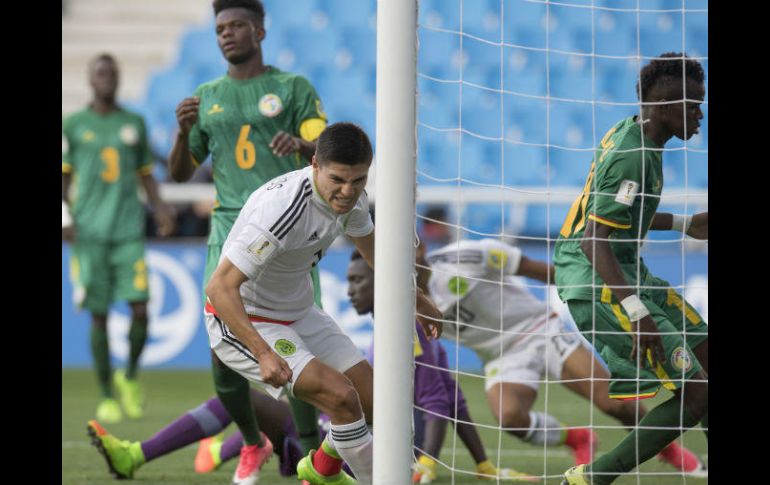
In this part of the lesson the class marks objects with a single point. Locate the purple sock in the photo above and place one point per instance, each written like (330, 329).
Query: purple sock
(206, 420)
(231, 447)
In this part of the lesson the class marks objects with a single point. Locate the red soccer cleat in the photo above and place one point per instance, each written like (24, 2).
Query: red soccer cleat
(584, 444)
(252, 459)
(682, 459)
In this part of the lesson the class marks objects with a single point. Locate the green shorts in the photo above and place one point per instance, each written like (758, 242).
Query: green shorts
(103, 273)
(212, 260)
(605, 324)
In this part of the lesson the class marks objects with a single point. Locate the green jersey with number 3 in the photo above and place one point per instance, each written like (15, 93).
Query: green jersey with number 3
(622, 191)
(237, 120)
(105, 153)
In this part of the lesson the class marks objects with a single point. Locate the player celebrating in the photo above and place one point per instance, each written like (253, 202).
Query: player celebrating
(645, 331)
(520, 340)
(257, 122)
(105, 148)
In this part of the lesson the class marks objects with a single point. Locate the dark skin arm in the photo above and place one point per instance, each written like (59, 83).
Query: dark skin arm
(67, 233)
(284, 144)
(537, 270)
(180, 160)
(699, 227)
(163, 213)
(596, 247)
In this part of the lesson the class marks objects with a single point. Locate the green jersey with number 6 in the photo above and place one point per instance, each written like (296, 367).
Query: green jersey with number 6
(622, 191)
(237, 120)
(105, 153)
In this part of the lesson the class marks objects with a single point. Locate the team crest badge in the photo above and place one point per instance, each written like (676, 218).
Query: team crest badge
(497, 258)
(270, 105)
(681, 359)
(284, 347)
(129, 135)
(458, 285)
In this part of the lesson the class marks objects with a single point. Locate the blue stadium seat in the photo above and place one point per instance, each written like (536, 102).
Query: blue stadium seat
(344, 13)
(488, 219)
(523, 23)
(167, 88)
(199, 47)
(659, 33)
(297, 13)
(524, 165)
(443, 14)
(312, 48)
(618, 42)
(361, 43)
(545, 220)
(481, 18)
(481, 112)
(568, 167)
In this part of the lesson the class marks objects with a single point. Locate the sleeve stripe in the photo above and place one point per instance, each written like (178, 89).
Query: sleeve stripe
(194, 160)
(311, 128)
(608, 222)
(66, 168)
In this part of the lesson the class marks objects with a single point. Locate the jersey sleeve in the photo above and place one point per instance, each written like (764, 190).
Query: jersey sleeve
(66, 146)
(477, 259)
(309, 118)
(358, 222)
(144, 154)
(198, 140)
(616, 188)
(253, 250)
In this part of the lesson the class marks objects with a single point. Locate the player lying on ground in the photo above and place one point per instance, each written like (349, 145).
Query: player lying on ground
(521, 340)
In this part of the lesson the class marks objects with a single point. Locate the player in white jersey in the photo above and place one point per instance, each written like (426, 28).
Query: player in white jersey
(260, 315)
(521, 339)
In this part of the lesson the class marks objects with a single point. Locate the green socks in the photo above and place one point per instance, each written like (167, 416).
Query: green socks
(137, 336)
(306, 421)
(100, 350)
(233, 391)
(623, 457)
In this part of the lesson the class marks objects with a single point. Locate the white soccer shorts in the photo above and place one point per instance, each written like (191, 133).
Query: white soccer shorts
(315, 335)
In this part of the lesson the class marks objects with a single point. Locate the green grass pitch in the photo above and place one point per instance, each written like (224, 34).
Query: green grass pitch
(170, 393)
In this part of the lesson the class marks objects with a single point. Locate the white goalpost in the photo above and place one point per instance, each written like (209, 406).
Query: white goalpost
(394, 233)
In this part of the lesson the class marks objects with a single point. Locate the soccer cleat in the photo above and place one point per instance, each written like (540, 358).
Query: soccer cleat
(108, 411)
(683, 459)
(575, 476)
(486, 471)
(422, 474)
(208, 459)
(306, 472)
(251, 461)
(584, 444)
(123, 457)
(131, 394)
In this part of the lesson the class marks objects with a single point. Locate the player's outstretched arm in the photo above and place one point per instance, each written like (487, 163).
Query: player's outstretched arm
(696, 226)
(699, 227)
(596, 247)
(180, 160)
(365, 246)
(223, 292)
(538, 270)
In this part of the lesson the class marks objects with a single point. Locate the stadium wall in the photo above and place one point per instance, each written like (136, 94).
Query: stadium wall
(178, 338)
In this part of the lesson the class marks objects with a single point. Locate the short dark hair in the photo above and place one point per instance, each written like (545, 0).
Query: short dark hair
(667, 68)
(104, 56)
(254, 6)
(355, 255)
(344, 143)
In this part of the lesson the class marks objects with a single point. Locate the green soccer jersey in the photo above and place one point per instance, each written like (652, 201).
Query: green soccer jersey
(237, 120)
(622, 191)
(104, 153)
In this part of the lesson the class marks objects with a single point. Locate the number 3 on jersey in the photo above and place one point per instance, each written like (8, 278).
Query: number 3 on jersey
(111, 158)
(245, 154)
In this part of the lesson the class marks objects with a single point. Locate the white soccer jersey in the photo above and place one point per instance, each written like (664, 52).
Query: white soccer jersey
(283, 231)
(472, 282)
